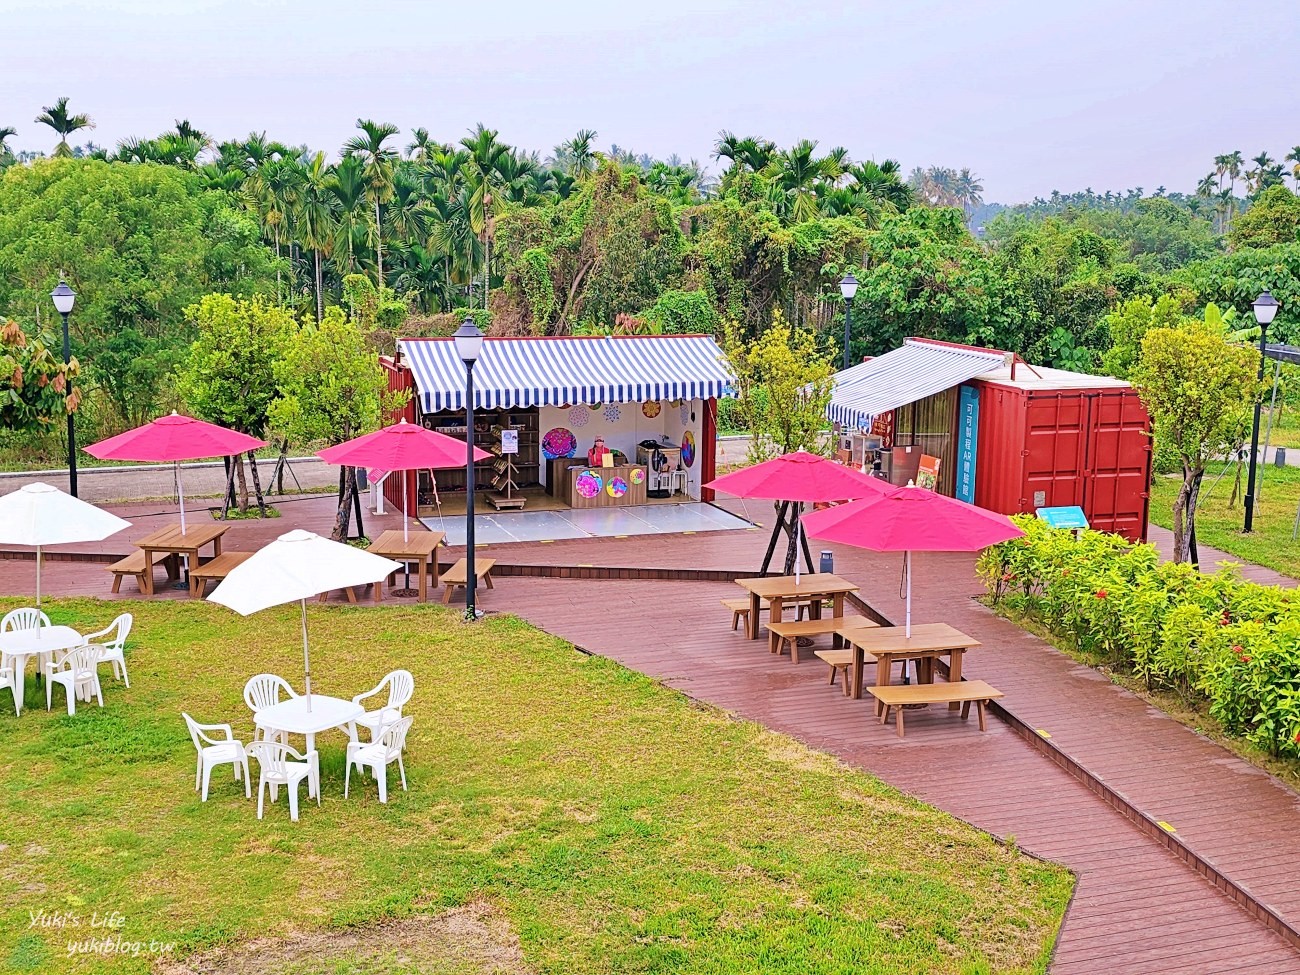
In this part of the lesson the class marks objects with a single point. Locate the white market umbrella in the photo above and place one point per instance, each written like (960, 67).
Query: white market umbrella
(293, 568)
(40, 514)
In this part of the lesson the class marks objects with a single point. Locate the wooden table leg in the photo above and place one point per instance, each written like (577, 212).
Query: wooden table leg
(775, 609)
(216, 549)
(755, 607)
(954, 670)
(884, 673)
(856, 675)
(424, 579)
(146, 580)
(379, 589)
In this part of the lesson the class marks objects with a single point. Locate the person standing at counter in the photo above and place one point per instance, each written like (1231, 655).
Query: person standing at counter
(596, 455)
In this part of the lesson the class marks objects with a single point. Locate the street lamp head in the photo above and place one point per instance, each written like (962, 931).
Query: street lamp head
(64, 298)
(848, 286)
(469, 341)
(1266, 307)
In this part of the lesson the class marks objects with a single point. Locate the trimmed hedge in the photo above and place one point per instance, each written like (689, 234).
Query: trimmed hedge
(1217, 639)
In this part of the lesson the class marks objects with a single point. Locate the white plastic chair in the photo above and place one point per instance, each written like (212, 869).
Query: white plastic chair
(217, 751)
(9, 679)
(78, 672)
(280, 765)
(401, 685)
(110, 649)
(262, 692)
(378, 755)
(26, 618)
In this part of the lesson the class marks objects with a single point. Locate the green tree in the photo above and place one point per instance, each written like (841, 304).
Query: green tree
(35, 386)
(1274, 218)
(1128, 325)
(231, 377)
(139, 243)
(331, 390)
(377, 160)
(64, 123)
(1199, 389)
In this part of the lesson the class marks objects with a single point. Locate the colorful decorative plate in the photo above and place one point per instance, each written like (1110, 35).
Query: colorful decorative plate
(559, 442)
(638, 475)
(651, 409)
(688, 448)
(611, 413)
(616, 488)
(589, 484)
(579, 416)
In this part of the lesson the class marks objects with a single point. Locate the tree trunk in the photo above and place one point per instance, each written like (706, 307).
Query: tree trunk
(320, 301)
(243, 484)
(281, 464)
(379, 249)
(487, 268)
(1193, 492)
(1185, 512)
(344, 515)
(257, 485)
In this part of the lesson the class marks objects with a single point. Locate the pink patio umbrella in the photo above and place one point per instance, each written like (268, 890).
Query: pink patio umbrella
(401, 447)
(911, 519)
(175, 438)
(796, 478)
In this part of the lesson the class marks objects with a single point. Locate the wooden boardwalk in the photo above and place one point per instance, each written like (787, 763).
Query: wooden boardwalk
(1137, 907)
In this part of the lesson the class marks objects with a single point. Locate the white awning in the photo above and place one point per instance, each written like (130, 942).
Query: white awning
(522, 372)
(916, 370)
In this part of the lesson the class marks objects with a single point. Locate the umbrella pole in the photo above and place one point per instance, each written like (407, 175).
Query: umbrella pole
(38, 587)
(798, 527)
(405, 535)
(180, 497)
(306, 657)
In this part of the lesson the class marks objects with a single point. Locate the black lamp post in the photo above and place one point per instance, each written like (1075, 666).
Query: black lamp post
(469, 343)
(1265, 307)
(64, 298)
(848, 288)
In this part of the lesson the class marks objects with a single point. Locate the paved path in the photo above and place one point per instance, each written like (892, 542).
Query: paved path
(101, 485)
(1163, 540)
(1137, 908)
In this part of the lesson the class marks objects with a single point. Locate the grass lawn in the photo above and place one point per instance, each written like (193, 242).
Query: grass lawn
(564, 815)
(1218, 525)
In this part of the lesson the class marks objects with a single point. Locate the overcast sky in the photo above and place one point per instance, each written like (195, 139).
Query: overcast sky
(1033, 95)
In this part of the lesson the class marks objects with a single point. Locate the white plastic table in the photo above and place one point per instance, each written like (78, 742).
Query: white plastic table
(326, 713)
(17, 646)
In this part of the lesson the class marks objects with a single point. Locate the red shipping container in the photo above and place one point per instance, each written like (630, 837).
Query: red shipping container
(1049, 438)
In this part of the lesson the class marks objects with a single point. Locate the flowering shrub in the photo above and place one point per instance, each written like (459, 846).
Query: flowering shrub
(1232, 644)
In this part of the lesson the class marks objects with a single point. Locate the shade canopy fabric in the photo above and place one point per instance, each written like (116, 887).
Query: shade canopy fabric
(174, 438)
(799, 476)
(919, 368)
(298, 565)
(521, 372)
(401, 447)
(911, 519)
(40, 514)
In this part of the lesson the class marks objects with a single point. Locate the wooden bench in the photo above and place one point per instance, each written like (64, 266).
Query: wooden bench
(214, 570)
(133, 565)
(740, 608)
(787, 632)
(897, 697)
(455, 576)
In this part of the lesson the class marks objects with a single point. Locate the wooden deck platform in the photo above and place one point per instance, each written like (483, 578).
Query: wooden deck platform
(1137, 907)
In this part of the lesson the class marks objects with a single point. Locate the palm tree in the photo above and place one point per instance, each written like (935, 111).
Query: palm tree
(1206, 187)
(6, 132)
(1292, 157)
(1256, 178)
(969, 191)
(316, 218)
(422, 146)
(56, 117)
(1232, 164)
(378, 160)
(882, 182)
(576, 156)
(483, 169)
(185, 130)
(796, 174)
(349, 189)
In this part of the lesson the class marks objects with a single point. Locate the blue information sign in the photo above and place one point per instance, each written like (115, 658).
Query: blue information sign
(1071, 516)
(968, 428)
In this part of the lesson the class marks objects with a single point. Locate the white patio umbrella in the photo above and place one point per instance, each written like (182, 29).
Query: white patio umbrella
(295, 567)
(40, 514)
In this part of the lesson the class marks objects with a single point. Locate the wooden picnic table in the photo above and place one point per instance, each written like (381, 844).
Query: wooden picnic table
(929, 642)
(418, 547)
(777, 589)
(173, 541)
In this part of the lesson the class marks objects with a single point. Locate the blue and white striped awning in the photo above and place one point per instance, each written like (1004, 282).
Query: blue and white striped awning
(522, 372)
(916, 370)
